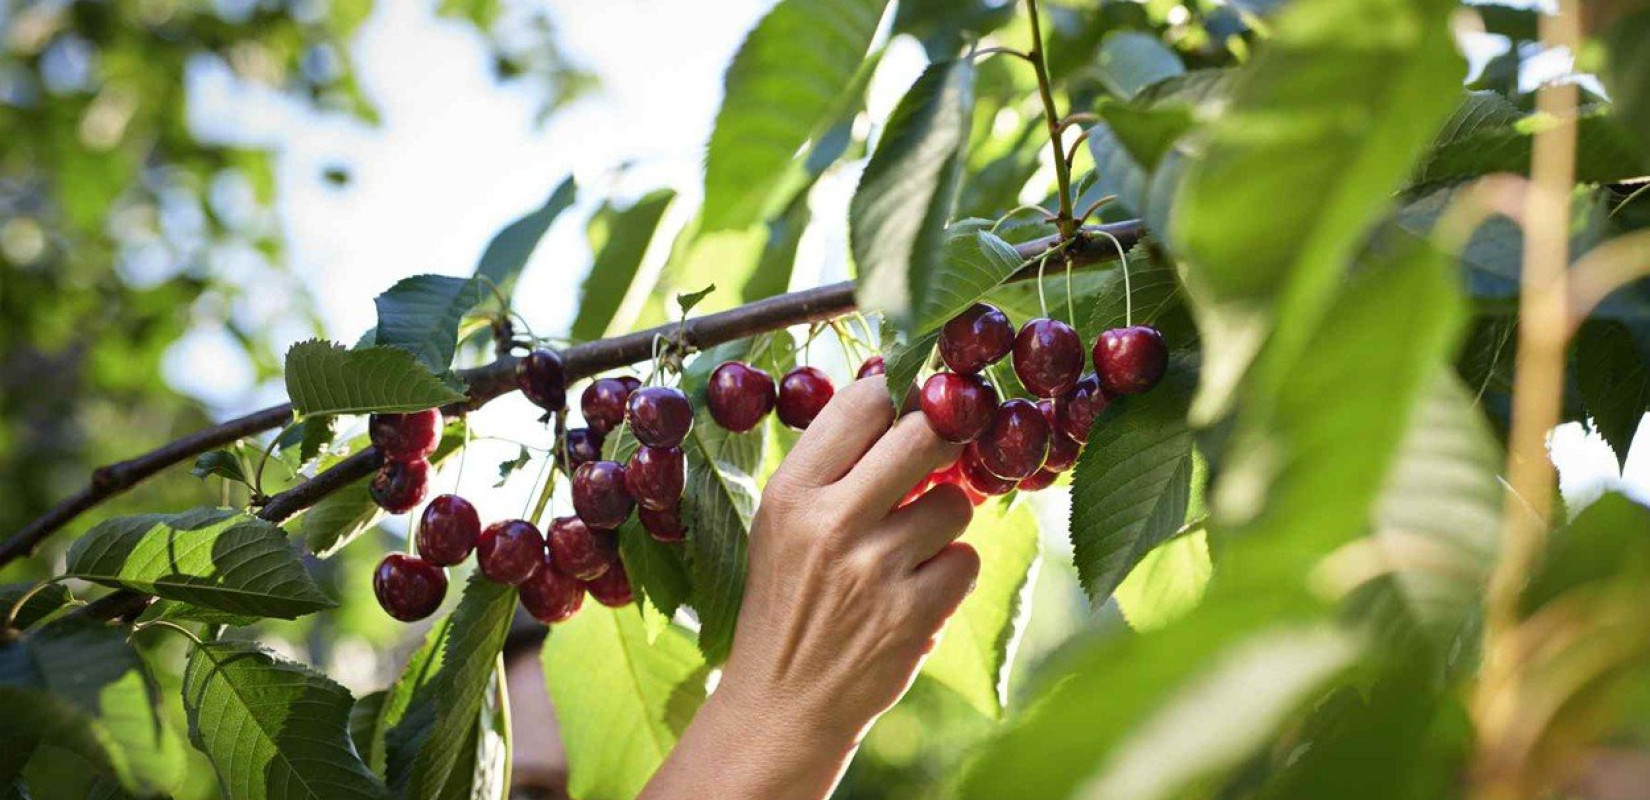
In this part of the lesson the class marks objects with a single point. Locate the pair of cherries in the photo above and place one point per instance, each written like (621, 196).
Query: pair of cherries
(406, 441)
(740, 395)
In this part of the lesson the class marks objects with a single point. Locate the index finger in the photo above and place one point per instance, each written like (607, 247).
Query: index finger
(848, 426)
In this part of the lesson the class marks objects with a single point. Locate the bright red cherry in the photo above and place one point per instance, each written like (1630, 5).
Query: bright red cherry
(579, 551)
(872, 366)
(1062, 451)
(542, 377)
(803, 393)
(448, 530)
(1016, 444)
(958, 407)
(1048, 357)
(603, 403)
(739, 396)
(979, 336)
(978, 479)
(599, 496)
(1130, 360)
(1042, 480)
(583, 444)
(408, 587)
(655, 477)
(406, 437)
(399, 486)
(660, 416)
(1077, 410)
(550, 596)
(612, 589)
(663, 525)
(509, 552)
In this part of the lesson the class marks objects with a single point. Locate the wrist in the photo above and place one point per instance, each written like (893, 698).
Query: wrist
(773, 746)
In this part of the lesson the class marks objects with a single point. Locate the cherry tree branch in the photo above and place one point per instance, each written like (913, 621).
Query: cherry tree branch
(498, 378)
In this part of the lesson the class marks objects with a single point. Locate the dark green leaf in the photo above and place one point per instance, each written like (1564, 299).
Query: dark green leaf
(221, 463)
(364, 730)
(903, 361)
(1608, 541)
(1627, 74)
(421, 314)
(318, 433)
(47, 600)
(1147, 132)
(508, 468)
(773, 270)
(272, 728)
(658, 573)
(217, 558)
(1130, 61)
(325, 378)
(177, 611)
(1517, 24)
(1615, 387)
(1605, 152)
(1116, 172)
(785, 86)
(620, 238)
(506, 255)
(687, 300)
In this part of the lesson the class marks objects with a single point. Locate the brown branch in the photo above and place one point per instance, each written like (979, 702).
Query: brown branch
(498, 378)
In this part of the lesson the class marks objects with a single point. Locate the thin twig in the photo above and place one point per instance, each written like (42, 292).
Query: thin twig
(1045, 89)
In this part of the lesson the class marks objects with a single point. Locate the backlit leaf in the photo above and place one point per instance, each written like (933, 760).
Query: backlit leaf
(326, 378)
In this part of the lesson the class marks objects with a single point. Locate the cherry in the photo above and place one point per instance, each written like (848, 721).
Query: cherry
(631, 383)
(1130, 360)
(660, 416)
(612, 589)
(1042, 480)
(580, 552)
(583, 444)
(603, 403)
(958, 407)
(408, 587)
(1048, 357)
(664, 525)
(739, 396)
(1016, 444)
(655, 477)
(1062, 451)
(399, 486)
(872, 366)
(980, 335)
(406, 437)
(550, 596)
(977, 478)
(803, 393)
(509, 552)
(599, 496)
(1077, 410)
(541, 376)
(448, 530)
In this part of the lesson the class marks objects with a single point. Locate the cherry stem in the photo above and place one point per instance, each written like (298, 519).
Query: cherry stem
(167, 624)
(258, 474)
(550, 461)
(1048, 216)
(1042, 301)
(17, 607)
(1128, 293)
(1071, 308)
(1007, 51)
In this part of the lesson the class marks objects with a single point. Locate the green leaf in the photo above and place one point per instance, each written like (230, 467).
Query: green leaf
(175, 611)
(687, 300)
(507, 254)
(620, 238)
(1608, 541)
(973, 263)
(1130, 61)
(658, 574)
(41, 604)
(1147, 131)
(1132, 483)
(1116, 172)
(272, 728)
(622, 702)
(972, 658)
(1615, 387)
(318, 433)
(1627, 71)
(1605, 151)
(1167, 583)
(221, 463)
(785, 86)
(903, 361)
(421, 315)
(1321, 178)
(511, 467)
(325, 378)
(422, 762)
(897, 218)
(217, 558)
(773, 270)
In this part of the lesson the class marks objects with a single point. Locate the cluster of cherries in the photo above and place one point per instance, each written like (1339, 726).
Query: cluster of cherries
(1017, 443)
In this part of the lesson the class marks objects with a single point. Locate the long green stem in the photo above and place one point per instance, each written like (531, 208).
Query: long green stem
(1066, 223)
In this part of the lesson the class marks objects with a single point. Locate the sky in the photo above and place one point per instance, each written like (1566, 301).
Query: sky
(458, 155)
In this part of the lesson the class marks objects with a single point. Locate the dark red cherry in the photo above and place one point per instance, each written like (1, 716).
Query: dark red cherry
(448, 530)
(1042, 480)
(603, 403)
(1016, 444)
(399, 486)
(1130, 360)
(1062, 451)
(406, 437)
(664, 525)
(872, 366)
(550, 596)
(980, 335)
(509, 552)
(977, 478)
(803, 393)
(739, 396)
(612, 589)
(543, 379)
(599, 496)
(958, 407)
(655, 476)
(408, 587)
(583, 444)
(1048, 357)
(1076, 411)
(579, 551)
(660, 416)
(631, 383)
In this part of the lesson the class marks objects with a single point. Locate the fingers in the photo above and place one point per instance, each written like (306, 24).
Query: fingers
(941, 584)
(918, 532)
(853, 421)
(898, 462)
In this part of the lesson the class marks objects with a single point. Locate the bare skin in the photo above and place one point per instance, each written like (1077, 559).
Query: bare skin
(843, 599)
